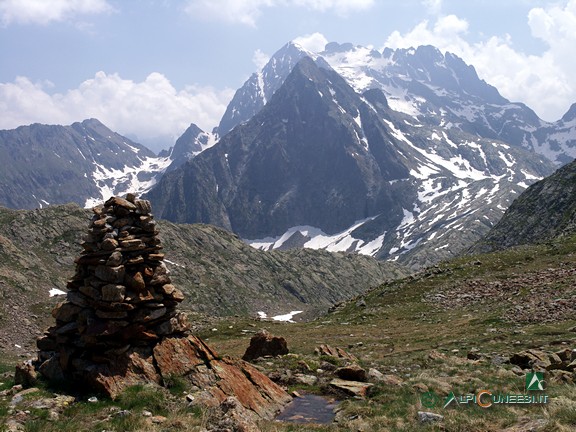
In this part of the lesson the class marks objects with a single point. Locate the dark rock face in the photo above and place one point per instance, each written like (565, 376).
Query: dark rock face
(264, 344)
(307, 167)
(546, 210)
(192, 142)
(321, 160)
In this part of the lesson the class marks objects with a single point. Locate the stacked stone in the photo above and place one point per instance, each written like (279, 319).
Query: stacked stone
(120, 297)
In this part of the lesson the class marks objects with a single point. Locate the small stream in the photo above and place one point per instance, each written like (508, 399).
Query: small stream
(309, 408)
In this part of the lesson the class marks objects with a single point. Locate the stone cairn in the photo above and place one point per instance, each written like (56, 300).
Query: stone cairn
(120, 297)
(120, 326)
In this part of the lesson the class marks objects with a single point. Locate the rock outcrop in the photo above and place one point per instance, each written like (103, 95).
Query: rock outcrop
(264, 344)
(120, 326)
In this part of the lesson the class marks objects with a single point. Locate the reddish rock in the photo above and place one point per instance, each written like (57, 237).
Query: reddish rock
(339, 353)
(352, 373)
(135, 282)
(136, 366)
(109, 244)
(264, 344)
(180, 356)
(26, 374)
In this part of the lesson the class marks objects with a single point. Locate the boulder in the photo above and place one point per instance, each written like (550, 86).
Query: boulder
(536, 360)
(264, 344)
(352, 372)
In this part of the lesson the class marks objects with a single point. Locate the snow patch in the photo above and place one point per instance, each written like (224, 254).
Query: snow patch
(56, 292)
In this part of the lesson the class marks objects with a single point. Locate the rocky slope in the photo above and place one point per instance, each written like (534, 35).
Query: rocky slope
(81, 163)
(546, 210)
(322, 166)
(218, 273)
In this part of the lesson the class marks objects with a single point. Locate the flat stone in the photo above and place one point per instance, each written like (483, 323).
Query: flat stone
(171, 292)
(135, 282)
(180, 356)
(336, 352)
(143, 206)
(146, 315)
(132, 245)
(353, 388)
(120, 202)
(109, 244)
(111, 314)
(429, 417)
(66, 312)
(77, 298)
(156, 257)
(90, 292)
(308, 380)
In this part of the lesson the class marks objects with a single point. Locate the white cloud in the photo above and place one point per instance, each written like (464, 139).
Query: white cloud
(248, 11)
(149, 109)
(341, 7)
(433, 6)
(314, 42)
(260, 59)
(545, 82)
(47, 11)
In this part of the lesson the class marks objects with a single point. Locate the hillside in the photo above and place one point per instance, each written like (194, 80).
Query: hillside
(219, 274)
(546, 210)
(471, 324)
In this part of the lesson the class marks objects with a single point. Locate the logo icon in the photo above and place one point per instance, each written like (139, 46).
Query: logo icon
(449, 399)
(429, 399)
(535, 381)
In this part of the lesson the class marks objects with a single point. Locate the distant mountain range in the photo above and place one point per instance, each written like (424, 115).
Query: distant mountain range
(82, 163)
(404, 173)
(399, 154)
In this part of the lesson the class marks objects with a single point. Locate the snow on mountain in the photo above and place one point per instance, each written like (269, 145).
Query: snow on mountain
(323, 166)
(421, 82)
(137, 179)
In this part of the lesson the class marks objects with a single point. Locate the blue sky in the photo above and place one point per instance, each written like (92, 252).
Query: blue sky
(148, 68)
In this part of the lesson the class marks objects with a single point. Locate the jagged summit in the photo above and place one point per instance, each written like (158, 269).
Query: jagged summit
(323, 166)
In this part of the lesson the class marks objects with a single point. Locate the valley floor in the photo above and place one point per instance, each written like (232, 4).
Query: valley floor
(456, 329)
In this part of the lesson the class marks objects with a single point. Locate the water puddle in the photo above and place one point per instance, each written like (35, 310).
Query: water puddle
(309, 408)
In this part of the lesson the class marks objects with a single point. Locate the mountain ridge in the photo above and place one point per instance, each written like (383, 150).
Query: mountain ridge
(219, 274)
(320, 155)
